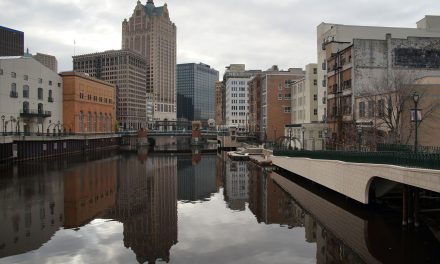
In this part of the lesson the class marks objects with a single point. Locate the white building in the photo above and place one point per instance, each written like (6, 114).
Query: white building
(427, 27)
(31, 95)
(237, 103)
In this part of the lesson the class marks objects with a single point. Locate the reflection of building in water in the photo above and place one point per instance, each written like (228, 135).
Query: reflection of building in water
(146, 204)
(31, 208)
(257, 189)
(196, 182)
(236, 191)
(219, 172)
(88, 191)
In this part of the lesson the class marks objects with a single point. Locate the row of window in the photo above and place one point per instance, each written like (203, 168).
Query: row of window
(26, 92)
(96, 99)
(373, 109)
(95, 122)
(26, 78)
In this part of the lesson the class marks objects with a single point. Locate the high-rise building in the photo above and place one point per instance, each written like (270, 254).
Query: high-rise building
(127, 71)
(47, 60)
(237, 103)
(196, 84)
(11, 42)
(151, 33)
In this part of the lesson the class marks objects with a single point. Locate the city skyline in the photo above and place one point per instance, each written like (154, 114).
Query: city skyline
(263, 33)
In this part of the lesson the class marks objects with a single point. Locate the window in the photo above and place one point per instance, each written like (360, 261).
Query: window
(40, 80)
(50, 99)
(361, 109)
(315, 97)
(59, 84)
(324, 65)
(94, 122)
(25, 77)
(1, 71)
(315, 82)
(13, 75)
(89, 121)
(50, 83)
(40, 108)
(280, 96)
(25, 107)
(315, 70)
(14, 90)
(105, 122)
(324, 83)
(371, 109)
(315, 111)
(381, 107)
(100, 121)
(81, 118)
(40, 93)
(25, 91)
(287, 109)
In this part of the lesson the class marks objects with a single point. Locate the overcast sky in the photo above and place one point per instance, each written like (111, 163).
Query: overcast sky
(258, 33)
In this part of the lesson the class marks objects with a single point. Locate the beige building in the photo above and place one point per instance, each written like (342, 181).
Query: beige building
(429, 26)
(47, 60)
(127, 71)
(151, 33)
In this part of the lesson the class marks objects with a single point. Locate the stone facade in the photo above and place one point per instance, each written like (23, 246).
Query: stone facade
(150, 33)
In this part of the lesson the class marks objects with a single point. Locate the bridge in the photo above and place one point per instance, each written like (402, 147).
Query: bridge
(357, 175)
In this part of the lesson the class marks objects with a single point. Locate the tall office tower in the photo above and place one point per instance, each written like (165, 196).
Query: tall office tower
(196, 85)
(126, 70)
(47, 60)
(151, 33)
(11, 42)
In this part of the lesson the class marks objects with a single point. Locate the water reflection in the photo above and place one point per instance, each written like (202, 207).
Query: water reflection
(189, 209)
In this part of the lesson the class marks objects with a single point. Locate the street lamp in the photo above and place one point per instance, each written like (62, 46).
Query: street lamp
(12, 120)
(415, 96)
(290, 138)
(3, 120)
(324, 144)
(359, 130)
(303, 130)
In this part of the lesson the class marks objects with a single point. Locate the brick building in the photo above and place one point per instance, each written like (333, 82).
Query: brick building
(89, 104)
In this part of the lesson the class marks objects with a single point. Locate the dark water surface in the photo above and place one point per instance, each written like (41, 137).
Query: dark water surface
(189, 209)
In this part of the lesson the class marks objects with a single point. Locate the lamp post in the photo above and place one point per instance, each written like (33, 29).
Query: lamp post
(416, 97)
(303, 130)
(324, 147)
(359, 130)
(3, 120)
(17, 126)
(12, 120)
(290, 138)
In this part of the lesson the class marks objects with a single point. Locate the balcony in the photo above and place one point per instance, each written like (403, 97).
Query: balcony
(35, 113)
(13, 94)
(50, 99)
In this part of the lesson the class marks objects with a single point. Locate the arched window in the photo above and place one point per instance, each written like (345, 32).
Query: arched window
(40, 93)
(81, 117)
(89, 124)
(105, 122)
(25, 107)
(25, 91)
(111, 123)
(95, 124)
(100, 122)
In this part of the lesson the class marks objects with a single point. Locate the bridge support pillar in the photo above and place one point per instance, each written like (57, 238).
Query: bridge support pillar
(405, 205)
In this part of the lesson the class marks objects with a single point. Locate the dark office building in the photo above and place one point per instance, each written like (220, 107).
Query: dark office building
(196, 91)
(11, 42)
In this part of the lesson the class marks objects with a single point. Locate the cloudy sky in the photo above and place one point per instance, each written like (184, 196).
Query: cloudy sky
(259, 33)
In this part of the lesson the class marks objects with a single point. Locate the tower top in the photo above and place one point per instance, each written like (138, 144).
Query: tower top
(150, 2)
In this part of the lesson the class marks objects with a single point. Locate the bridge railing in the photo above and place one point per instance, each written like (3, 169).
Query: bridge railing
(405, 159)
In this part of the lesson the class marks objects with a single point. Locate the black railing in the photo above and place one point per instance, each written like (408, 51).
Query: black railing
(400, 158)
(50, 99)
(35, 113)
(407, 148)
(13, 94)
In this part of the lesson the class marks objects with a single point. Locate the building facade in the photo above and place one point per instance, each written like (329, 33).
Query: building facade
(47, 60)
(196, 84)
(11, 42)
(237, 103)
(31, 95)
(150, 33)
(276, 101)
(429, 26)
(254, 105)
(218, 102)
(127, 71)
(89, 104)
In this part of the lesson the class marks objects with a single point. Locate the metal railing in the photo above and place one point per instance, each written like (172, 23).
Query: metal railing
(399, 158)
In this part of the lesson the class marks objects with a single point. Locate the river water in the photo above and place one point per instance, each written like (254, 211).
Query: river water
(147, 208)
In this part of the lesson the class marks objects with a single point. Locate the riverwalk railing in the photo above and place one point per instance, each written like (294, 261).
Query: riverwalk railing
(399, 158)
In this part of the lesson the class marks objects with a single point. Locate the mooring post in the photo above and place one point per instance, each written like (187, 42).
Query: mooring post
(410, 205)
(405, 205)
(416, 207)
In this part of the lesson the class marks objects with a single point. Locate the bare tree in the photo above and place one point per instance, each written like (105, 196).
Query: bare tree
(388, 98)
